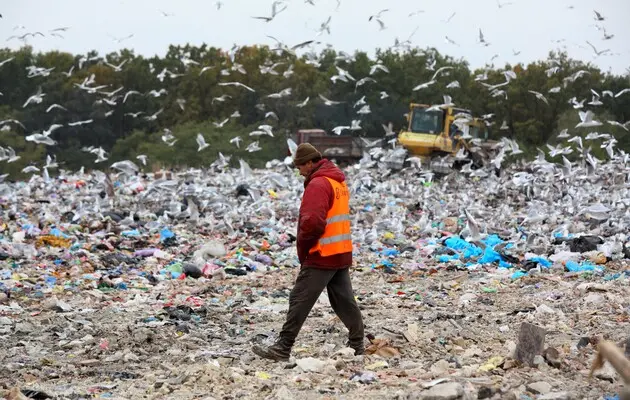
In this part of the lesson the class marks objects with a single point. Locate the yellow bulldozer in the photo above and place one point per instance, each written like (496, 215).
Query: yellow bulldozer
(446, 137)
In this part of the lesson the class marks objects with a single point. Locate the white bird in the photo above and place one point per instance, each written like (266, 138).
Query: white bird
(563, 134)
(253, 147)
(117, 68)
(439, 71)
(587, 120)
(78, 123)
(555, 89)
(135, 115)
(271, 114)
(142, 158)
(360, 102)
(338, 129)
(129, 93)
(40, 139)
(100, 154)
(482, 40)
(329, 102)
(275, 10)
(378, 66)
(363, 81)
(423, 85)
(539, 96)
(37, 98)
(181, 103)
(623, 91)
(453, 85)
(221, 124)
(221, 99)
(154, 116)
(597, 53)
(236, 84)
(304, 103)
(389, 131)
(235, 114)
(52, 107)
(365, 110)
(29, 169)
(168, 137)
(69, 73)
(450, 41)
(619, 124)
(237, 141)
(204, 69)
(201, 142)
(6, 61)
(383, 95)
(156, 93)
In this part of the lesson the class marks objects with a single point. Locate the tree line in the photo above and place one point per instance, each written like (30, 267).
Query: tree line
(128, 105)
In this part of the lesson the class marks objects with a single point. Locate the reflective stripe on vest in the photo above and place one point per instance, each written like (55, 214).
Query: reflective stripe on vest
(336, 238)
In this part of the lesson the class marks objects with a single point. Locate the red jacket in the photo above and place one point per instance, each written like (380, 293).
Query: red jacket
(316, 202)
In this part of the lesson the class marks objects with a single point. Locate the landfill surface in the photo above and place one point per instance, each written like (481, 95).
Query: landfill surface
(155, 286)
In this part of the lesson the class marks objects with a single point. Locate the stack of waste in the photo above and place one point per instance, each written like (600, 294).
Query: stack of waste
(160, 288)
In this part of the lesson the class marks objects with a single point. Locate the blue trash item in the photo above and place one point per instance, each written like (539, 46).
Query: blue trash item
(585, 266)
(518, 274)
(166, 234)
(489, 256)
(612, 397)
(50, 280)
(447, 258)
(505, 264)
(390, 252)
(133, 232)
(468, 250)
(543, 262)
(56, 232)
(386, 263)
(492, 240)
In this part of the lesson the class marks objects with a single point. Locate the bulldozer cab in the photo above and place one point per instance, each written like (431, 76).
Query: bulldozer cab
(437, 131)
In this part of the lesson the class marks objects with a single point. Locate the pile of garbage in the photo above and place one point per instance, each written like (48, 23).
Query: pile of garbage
(129, 285)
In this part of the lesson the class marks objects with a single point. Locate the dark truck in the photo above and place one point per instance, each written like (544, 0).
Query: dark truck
(342, 148)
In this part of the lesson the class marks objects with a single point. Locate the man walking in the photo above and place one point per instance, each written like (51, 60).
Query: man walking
(324, 246)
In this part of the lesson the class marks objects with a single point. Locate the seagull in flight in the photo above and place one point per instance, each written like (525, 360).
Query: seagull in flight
(52, 107)
(274, 11)
(329, 102)
(501, 5)
(597, 53)
(539, 96)
(37, 98)
(450, 18)
(598, 16)
(587, 120)
(237, 141)
(220, 124)
(201, 142)
(378, 14)
(304, 103)
(237, 84)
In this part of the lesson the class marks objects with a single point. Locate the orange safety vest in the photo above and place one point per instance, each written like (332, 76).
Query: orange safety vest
(336, 238)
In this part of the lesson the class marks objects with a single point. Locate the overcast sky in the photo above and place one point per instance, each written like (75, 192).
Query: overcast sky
(530, 27)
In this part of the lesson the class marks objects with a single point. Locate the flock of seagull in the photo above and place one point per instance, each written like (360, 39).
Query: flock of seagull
(233, 69)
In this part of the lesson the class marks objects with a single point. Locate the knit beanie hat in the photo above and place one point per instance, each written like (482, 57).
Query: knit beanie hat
(305, 153)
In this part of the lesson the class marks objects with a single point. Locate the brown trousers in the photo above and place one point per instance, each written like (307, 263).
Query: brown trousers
(309, 285)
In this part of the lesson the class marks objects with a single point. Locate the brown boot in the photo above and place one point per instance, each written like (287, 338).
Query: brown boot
(275, 352)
